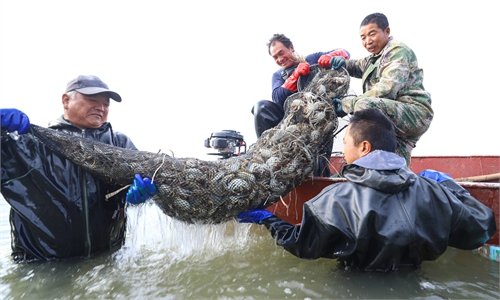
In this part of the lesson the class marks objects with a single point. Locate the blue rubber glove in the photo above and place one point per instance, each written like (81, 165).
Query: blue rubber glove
(13, 119)
(337, 62)
(337, 105)
(141, 190)
(435, 175)
(253, 216)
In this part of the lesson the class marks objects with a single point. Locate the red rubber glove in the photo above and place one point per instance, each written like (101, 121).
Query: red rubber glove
(326, 59)
(291, 82)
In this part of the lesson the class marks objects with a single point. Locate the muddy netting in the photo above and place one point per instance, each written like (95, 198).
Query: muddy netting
(198, 191)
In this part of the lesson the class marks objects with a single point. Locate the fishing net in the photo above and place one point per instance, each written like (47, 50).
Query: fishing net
(194, 190)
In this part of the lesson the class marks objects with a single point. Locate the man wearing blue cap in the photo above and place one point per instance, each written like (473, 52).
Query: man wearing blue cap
(58, 210)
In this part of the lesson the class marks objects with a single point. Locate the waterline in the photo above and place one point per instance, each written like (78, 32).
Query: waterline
(163, 258)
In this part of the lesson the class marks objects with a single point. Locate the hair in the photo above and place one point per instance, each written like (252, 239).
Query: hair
(278, 37)
(376, 18)
(373, 126)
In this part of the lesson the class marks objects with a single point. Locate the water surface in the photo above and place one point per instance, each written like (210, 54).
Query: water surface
(166, 259)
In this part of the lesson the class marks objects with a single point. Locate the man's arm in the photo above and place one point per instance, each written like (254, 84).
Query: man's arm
(279, 93)
(124, 141)
(474, 223)
(311, 239)
(356, 67)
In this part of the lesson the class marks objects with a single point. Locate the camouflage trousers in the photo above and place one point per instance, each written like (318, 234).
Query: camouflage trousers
(410, 118)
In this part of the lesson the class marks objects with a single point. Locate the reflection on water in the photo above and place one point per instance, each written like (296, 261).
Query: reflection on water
(167, 259)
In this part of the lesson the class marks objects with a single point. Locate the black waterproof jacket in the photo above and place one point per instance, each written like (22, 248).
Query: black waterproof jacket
(385, 217)
(58, 210)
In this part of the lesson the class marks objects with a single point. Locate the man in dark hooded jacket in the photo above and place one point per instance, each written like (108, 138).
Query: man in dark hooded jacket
(384, 217)
(58, 210)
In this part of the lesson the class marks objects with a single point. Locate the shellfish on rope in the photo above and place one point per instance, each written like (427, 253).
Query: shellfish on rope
(198, 191)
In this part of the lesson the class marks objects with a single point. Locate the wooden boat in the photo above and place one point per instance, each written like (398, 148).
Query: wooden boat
(480, 175)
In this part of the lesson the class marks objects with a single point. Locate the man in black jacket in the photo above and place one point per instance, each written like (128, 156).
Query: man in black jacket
(58, 210)
(384, 217)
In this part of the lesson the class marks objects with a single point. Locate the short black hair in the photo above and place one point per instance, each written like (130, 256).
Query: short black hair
(375, 127)
(376, 18)
(278, 37)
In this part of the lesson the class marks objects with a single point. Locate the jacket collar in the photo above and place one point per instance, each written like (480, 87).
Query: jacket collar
(381, 160)
(380, 170)
(62, 123)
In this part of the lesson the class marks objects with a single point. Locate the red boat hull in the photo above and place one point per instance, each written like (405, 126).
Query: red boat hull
(459, 167)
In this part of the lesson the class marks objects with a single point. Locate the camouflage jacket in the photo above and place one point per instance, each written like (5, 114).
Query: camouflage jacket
(391, 74)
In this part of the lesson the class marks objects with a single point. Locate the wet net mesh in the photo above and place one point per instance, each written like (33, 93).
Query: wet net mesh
(198, 191)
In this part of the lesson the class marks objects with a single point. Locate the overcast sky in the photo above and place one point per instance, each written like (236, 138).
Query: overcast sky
(187, 68)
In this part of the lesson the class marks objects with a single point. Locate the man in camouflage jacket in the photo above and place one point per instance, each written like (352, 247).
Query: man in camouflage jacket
(392, 82)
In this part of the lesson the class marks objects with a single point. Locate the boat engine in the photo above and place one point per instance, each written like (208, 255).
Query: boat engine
(228, 143)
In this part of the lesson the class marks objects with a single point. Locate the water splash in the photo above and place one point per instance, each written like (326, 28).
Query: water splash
(152, 233)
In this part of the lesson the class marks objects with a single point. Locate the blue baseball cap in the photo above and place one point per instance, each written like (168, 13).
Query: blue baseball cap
(91, 85)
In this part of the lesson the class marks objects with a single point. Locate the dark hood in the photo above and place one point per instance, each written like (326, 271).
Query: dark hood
(381, 170)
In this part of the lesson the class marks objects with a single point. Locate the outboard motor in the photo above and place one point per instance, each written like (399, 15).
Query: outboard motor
(228, 143)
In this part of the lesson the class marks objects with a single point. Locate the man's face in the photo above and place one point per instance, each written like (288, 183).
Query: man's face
(283, 56)
(351, 151)
(373, 38)
(86, 111)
